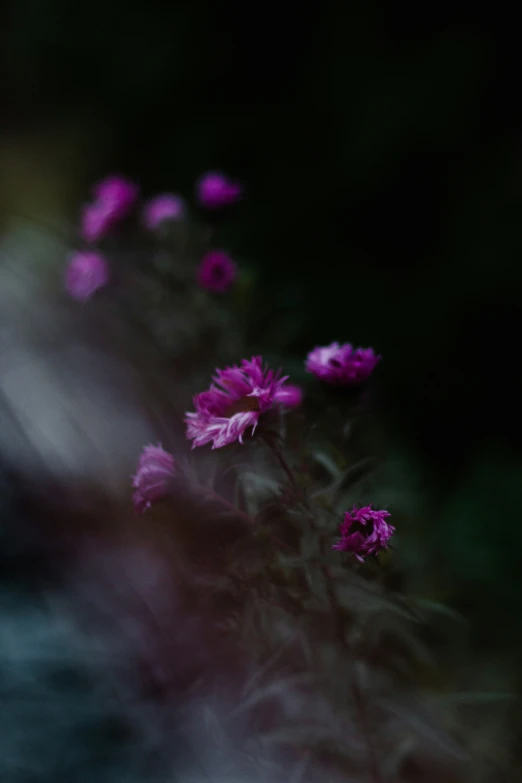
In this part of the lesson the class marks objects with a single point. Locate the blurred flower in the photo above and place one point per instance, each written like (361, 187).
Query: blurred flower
(86, 273)
(341, 364)
(237, 401)
(167, 206)
(217, 271)
(364, 532)
(95, 221)
(156, 469)
(115, 197)
(215, 190)
(117, 194)
(291, 396)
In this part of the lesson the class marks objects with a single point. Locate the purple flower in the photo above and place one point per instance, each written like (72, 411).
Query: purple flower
(341, 364)
(291, 396)
(364, 532)
(236, 402)
(95, 221)
(115, 197)
(86, 273)
(215, 190)
(217, 272)
(167, 206)
(117, 194)
(156, 469)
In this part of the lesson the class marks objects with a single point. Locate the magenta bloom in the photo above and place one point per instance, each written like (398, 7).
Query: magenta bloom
(217, 272)
(161, 208)
(364, 532)
(341, 364)
(215, 190)
(153, 479)
(291, 396)
(117, 194)
(115, 197)
(95, 221)
(236, 402)
(86, 273)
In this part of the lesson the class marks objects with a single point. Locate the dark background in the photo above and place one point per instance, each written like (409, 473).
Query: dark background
(381, 147)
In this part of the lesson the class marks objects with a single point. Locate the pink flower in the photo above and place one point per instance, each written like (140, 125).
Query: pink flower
(341, 364)
(86, 273)
(291, 396)
(215, 190)
(115, 197)
(164, 207)
(156, 469)
(217, 272)
(117, 194)
(95, 221)
(236, 402)
(364, 532)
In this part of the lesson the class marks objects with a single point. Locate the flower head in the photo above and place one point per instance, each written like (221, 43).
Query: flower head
(115, 197)
(167, 206)
(156, 469)
(364, 532)
(216, 271)
(215, 190)
(117, 194)
(95, 221)
(235, 402)
(341, 365)
(86, 273)
(291, 396)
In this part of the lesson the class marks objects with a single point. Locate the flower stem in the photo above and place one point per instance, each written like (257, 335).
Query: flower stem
(358, 696)
(283, 463)
(224, 503)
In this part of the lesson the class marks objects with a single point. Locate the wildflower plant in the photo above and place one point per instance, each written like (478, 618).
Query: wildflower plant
(301, 585)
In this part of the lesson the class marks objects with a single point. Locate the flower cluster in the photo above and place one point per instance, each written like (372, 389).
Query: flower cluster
(235, 403)
(239, 396)
(114, 199)
(364, 532)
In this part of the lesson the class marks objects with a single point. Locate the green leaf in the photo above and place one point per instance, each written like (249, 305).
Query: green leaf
(326, 462)
(438, 608)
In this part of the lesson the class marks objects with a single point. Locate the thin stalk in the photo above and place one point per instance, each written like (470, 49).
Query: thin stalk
(221, 501)
(356, 687)
(283, 463)
(358, 696)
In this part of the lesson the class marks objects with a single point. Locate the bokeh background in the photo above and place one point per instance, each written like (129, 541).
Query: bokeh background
(381, 147)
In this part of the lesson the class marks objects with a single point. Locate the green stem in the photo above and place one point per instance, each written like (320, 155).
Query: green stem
(221, 501)
(332, 597)
(356, 687)
(283, 463)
